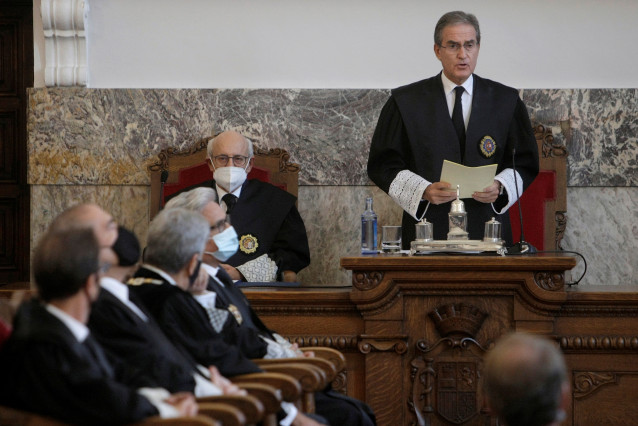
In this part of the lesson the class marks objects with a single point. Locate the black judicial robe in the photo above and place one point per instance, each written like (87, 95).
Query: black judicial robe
(269, 214)
(140, 344)
(186, 324)
(415, 132)
(45, 370)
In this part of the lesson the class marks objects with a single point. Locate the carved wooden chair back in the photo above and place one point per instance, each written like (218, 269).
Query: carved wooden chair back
(174, 170)
(544, 203)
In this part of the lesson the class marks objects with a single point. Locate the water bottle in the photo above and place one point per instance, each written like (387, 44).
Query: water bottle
(368, 229)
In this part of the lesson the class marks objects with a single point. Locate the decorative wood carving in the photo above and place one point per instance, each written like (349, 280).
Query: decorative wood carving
(335, 342)
(445, 379)
(340, 382)
(550, 148)
(457, 318)
(64, 42)
(603, 343)
(398, 344)
(585, 383)
(551, 281)
(366, 280)
(561, 225)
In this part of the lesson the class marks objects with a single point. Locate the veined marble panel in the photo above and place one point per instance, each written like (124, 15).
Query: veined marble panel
(603, 226)
(332, 215)
(127, 204)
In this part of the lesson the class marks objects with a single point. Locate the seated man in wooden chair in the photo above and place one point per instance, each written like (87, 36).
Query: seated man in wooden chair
(273, 245)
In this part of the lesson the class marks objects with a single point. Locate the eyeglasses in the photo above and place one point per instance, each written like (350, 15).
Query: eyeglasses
(220, 225)
(103, 269)
(238, 160)
(453, 47)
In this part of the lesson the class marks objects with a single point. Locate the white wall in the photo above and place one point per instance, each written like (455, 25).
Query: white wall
(354, 43)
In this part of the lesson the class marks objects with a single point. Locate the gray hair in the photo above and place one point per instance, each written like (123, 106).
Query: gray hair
(174, 236)
(523, 379)
(211, 144)
(195, 199)
(453, 18)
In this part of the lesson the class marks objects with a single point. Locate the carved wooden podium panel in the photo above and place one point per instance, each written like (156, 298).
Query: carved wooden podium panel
(415, 329)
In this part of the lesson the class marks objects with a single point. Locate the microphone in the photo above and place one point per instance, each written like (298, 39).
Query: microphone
(163, 179)
(522, 247)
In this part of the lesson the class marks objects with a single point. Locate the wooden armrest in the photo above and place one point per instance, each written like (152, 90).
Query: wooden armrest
(288, 385)
(13, 416)
(252, 407)
(310, 377)
(268, 395)
(226, 414)
(326, 366)
(198, 420)
(330, 354)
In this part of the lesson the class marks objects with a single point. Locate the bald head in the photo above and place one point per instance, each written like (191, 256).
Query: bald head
(88, 216)
(524, 379)
(230, 143)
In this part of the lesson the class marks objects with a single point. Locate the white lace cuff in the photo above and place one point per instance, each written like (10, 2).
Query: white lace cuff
(262, 269)
(276, 351)
(204, 387)
(506, 178)
(407, 190)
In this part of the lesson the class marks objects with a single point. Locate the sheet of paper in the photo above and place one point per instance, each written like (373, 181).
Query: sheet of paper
(470, 179)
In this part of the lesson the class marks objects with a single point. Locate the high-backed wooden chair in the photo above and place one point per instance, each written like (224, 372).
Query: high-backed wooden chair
(544, 203)
(174, 170)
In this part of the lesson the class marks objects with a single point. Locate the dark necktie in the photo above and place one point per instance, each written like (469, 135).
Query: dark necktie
(229, 200)
(457, 118)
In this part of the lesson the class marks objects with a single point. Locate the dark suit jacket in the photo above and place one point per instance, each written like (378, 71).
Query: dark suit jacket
(186, 324)
(415, 132)
(45, 370)
(140, 344)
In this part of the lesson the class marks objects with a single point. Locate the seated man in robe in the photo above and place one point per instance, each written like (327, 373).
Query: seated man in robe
(231, 315)
(128, 331)
(176, 242)
(273, 245)
(525, 381)
(51, 365)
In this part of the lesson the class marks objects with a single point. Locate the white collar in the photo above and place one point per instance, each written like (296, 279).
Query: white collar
(117, 288)
(160, 273)
(221, 192)
(449, 85)
(80, 331)
(212, 271)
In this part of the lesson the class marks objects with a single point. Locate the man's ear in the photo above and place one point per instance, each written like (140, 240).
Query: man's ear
(192, 264)
(251, 162)
(92, 286)
(565, 395)
(210, 164)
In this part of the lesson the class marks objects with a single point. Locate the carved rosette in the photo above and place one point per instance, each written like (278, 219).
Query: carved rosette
(363, 281)
(587, 382)
(550, 281)
(340, 382)
(64, 42)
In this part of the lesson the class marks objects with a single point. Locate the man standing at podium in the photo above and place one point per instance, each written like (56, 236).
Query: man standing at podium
(456, 116)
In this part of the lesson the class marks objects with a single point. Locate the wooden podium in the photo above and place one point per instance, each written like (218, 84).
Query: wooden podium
(415, 328)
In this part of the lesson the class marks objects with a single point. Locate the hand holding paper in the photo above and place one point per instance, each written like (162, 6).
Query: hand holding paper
(469, 179)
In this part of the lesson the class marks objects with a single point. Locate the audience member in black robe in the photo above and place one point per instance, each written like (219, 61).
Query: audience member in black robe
(128, 331)
(51, 365)
(176, 241)
(250, 334)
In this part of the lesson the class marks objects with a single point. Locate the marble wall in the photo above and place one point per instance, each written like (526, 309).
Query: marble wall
(95, 145)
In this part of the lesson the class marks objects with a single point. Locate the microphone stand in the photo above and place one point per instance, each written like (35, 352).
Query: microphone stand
(522, 247)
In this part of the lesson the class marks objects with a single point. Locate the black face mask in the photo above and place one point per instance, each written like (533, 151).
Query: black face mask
(193, 276)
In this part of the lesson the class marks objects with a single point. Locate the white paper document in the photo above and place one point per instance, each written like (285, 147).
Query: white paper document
(469, 179)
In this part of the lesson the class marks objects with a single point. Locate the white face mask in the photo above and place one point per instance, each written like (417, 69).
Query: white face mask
(230, 178)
